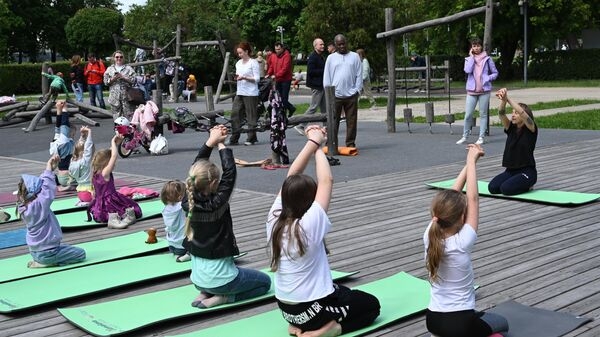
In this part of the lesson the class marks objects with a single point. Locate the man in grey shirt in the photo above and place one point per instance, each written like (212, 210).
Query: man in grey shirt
(343, 69)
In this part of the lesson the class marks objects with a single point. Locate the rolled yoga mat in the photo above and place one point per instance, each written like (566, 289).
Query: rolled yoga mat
(132, 313)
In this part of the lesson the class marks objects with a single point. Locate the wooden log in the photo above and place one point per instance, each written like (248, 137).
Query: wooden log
(51, 112)
(434, 22)
(143, 63)
(86, 119)
(38, 116)
(10, 114)
(12, 121)
(90, 107)
(208, 96)
(301, 119)
(222, 78)
(14, 106)
(200, 43)
(226, 97)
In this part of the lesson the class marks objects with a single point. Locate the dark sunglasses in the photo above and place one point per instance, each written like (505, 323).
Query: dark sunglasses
(118, 57)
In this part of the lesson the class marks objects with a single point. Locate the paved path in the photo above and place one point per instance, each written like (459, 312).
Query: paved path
(529, 96)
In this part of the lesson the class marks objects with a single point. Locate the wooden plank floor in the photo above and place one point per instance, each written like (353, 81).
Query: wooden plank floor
(539, 255)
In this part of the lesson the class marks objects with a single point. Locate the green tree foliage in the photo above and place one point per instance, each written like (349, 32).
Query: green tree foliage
(359, 21)
(104, 21)
(8, 23)
(200, 20)
(257, 21)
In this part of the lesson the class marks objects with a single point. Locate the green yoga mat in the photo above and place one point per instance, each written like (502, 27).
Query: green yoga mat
(98, 277)
(62, 205)
(561, 198)
(400, 295)
(150, 209)
(14, 268)
(128, 314)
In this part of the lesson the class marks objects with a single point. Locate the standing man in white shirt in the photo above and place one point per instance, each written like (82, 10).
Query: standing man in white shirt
(343, 70)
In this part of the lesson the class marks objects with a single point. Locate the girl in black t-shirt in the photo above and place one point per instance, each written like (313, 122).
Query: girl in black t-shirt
(520, 174)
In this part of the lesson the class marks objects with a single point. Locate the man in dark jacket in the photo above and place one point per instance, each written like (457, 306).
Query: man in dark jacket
(314, 80)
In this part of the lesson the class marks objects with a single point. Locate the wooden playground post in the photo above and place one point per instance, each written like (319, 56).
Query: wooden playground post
(391, 65)
(332, 142)
(391, 48)
(175, 92)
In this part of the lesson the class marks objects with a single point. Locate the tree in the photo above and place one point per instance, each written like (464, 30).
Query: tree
(257, 21)
(8, 23)
(99, 39)
(359, 21)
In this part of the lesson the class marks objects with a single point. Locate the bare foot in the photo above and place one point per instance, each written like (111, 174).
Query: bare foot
(34, 264)
(213, 301)
(294, 331)
(330, 329)
(201, 297)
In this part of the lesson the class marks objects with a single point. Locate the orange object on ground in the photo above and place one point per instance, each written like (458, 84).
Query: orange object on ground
(344, 151)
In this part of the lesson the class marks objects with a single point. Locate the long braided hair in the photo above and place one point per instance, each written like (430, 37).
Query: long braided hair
(203, 178)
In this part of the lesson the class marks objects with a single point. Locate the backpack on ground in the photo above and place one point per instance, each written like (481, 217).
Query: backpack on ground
(159, 146)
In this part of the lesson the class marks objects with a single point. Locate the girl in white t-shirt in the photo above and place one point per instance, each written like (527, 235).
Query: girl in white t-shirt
(296, 226)
(449, 240)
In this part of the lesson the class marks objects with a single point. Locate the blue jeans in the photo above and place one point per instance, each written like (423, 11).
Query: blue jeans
(484, 104)
(284, 90)
(78, 90)
(177, 251)
(96, 93)
(248, 283)
(59, 256)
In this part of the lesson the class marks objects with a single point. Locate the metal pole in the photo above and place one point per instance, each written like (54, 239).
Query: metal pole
(525, 56)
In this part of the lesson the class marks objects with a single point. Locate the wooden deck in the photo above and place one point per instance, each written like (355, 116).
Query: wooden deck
(539, 255)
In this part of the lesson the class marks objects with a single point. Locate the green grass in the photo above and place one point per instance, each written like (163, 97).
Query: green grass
(518, 84)
(581, 120)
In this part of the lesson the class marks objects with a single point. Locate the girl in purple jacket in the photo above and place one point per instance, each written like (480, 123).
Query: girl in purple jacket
(34, 197)
(481, 71)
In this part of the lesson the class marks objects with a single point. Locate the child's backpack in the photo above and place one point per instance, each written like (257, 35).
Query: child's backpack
(185, 118)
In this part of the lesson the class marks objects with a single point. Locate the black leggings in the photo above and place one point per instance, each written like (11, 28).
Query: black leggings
(464, 323)
(352, 309)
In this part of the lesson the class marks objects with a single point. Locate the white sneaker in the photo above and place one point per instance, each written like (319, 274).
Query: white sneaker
(461, 141)
(416, 91)
(479, 141)
(299, 129)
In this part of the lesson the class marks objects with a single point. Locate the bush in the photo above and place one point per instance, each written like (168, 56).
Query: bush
(23, 79)
(572, 64)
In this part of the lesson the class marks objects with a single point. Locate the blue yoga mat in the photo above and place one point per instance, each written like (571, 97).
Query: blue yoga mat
(12, 238)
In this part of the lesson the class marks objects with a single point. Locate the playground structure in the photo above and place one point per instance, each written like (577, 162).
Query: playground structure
(24, 111)
(389, 36)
